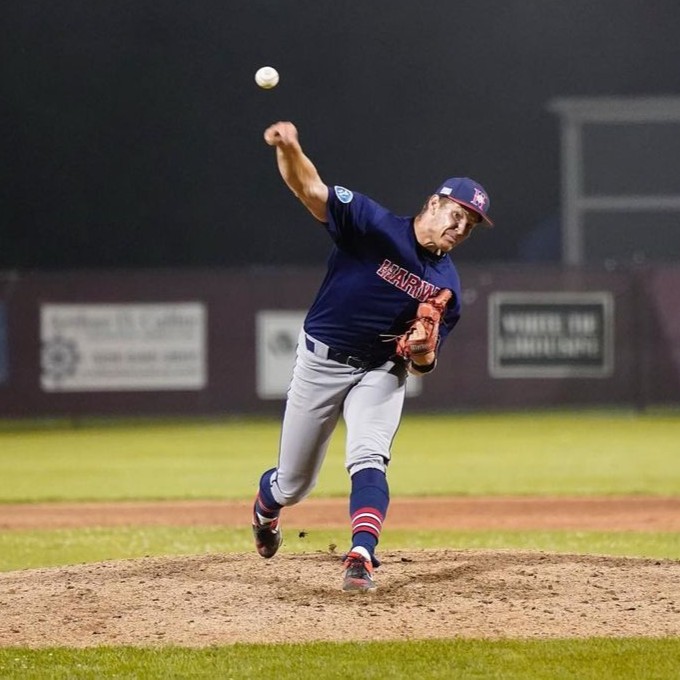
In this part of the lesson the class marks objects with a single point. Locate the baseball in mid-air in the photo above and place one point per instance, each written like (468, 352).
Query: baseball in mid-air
(267, 77)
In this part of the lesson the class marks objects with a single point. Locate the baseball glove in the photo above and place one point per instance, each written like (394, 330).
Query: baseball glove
(422, 335)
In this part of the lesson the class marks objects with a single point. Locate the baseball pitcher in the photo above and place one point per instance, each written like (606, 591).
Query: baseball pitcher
(390, 297)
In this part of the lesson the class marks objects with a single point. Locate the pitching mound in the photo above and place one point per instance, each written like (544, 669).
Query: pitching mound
(221, 599)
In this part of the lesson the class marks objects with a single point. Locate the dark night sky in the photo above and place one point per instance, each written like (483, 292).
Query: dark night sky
(132, 130)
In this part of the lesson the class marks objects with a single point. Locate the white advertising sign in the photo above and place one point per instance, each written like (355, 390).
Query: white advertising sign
(120, 347)
(277, 336)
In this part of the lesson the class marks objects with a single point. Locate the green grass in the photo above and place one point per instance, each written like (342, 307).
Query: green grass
(595, 659)
(147, 461)
(32, 549)
(526, 453)
(543, 454)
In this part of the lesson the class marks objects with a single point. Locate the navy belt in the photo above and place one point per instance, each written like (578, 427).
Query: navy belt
(340, 357)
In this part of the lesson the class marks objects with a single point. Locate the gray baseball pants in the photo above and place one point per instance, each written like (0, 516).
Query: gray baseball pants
(321, 390)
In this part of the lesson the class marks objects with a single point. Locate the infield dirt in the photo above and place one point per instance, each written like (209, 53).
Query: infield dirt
(212, 599)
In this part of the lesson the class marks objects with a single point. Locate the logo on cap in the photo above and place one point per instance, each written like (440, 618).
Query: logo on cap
(479, 199)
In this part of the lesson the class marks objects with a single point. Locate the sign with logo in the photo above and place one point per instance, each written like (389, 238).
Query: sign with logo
(551, 335)
(277, 334)
(119, 347)
(277, 337)
(4, 361)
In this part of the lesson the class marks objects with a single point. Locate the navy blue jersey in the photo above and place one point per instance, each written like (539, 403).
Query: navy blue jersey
(377, 275)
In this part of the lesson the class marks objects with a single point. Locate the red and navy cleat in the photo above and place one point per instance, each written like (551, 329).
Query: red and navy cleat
(358, 574)
(268, 537)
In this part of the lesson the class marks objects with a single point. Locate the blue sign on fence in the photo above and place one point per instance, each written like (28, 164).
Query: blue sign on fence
(4, 363)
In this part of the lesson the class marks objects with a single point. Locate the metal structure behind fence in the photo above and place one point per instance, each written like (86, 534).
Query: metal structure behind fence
(620, 159)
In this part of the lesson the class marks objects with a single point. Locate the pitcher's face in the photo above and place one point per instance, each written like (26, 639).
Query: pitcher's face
(451, 224)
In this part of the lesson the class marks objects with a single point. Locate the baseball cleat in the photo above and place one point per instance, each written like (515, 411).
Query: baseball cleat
(358, 574)
(268, 537)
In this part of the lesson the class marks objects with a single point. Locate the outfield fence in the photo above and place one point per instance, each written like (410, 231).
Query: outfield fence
(212, 342)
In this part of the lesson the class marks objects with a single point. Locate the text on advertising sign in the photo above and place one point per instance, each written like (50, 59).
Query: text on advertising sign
(550, 335)
(116, 347)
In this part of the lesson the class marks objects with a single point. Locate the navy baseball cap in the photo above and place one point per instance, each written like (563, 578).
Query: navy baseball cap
(469, 193)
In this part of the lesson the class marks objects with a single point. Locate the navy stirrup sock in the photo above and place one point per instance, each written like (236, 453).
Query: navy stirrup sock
(368, 503)
(265, 505)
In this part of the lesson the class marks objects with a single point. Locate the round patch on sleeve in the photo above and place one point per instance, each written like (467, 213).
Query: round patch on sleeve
(344, 195)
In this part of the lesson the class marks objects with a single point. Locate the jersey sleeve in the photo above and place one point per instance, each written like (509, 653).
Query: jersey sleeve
(350, 215)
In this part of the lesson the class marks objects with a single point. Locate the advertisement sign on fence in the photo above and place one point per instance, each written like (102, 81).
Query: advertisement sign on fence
(277, 336)
(551, 335)
(120, 347)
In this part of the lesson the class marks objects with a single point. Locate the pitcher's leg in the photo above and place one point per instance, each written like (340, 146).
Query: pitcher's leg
(304, 442)
(305, 434)
(372, 413)
(313, 406)
(368, 503)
